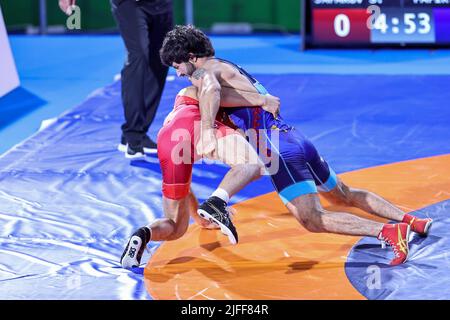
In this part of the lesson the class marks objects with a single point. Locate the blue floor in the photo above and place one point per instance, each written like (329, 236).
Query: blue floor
(62, 71)
(17, 104)
(69, 200)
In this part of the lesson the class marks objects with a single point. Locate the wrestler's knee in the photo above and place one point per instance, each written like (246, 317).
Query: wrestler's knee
(179, 229)
(311, 219)
(340, 195)
(308, 212)
(256, 171)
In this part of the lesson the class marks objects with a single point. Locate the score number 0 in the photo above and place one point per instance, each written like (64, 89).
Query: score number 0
(342, 25)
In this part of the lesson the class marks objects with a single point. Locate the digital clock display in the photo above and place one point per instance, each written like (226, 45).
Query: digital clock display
(379, 22)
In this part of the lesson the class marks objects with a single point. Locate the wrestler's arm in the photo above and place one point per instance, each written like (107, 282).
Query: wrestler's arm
(209, 94)
(230, 97)
(209, 104)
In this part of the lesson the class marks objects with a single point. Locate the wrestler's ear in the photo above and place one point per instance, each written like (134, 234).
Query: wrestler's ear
(192, 58)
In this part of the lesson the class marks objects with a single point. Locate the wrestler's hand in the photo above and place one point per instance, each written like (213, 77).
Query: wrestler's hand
(207, 145)
(272, 105)
(66, 6)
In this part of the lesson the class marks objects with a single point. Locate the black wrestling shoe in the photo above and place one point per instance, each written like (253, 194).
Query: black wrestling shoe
(150, 146)
(131, 256)
(215, 210)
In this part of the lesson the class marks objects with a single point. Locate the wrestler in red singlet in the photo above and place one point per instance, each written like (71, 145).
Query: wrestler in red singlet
(176, 146)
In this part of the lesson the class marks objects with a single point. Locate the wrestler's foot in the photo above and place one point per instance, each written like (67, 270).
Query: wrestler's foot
(418, 225)
(396, 236)
(215, 210)
(214, 226)
(131, 256)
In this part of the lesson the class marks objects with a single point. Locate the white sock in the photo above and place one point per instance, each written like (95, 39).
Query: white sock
(222, 194)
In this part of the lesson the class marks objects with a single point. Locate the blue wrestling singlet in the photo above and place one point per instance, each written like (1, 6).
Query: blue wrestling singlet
(299, 169)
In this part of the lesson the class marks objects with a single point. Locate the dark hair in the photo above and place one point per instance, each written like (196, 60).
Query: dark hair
(183, 40)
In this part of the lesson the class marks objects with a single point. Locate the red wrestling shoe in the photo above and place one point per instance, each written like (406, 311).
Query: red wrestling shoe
(421, 226)
(396, 236)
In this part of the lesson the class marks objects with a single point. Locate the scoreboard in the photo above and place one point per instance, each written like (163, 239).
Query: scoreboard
(376, 22)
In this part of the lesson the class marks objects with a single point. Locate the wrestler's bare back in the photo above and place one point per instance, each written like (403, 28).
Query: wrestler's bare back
(227, 75)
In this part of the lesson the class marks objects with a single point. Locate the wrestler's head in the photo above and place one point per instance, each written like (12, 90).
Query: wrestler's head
(181, 48)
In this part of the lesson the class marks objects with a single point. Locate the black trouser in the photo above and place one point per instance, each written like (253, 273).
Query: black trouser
(143, 75)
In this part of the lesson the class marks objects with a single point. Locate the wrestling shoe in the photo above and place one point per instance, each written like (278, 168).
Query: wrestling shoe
(396, 236)
(215, 226)
(215, 210)
(131, 256)
(418, 225)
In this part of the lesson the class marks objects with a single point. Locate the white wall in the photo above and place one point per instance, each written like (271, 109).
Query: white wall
(9, 79)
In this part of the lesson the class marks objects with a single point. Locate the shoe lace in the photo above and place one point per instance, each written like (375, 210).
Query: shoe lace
(392, 245)
(223, 214)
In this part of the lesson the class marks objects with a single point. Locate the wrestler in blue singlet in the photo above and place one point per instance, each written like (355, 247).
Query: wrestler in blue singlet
(301, 170)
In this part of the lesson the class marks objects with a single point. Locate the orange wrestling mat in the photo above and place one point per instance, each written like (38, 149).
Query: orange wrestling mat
(276, 258)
